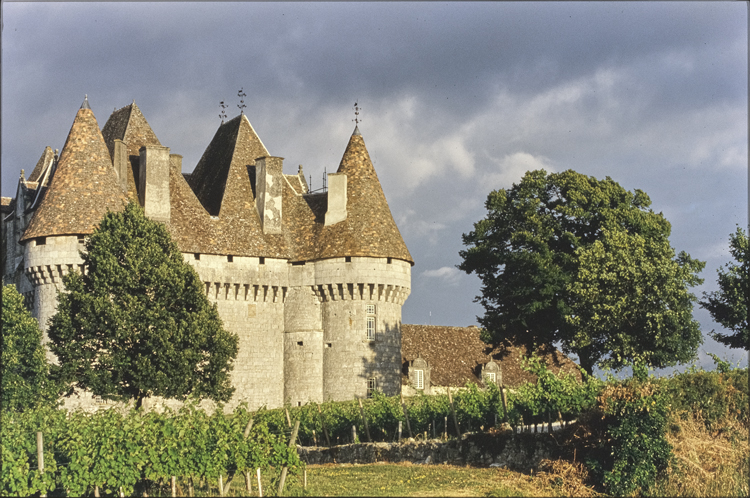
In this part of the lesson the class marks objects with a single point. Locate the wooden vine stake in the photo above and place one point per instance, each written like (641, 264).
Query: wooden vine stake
(285, 469)
(453, 411)
(406, 416)
(323, 424)
(364, 419)
(174, 486)
(40, 454)
(221, 486)
(260, 489)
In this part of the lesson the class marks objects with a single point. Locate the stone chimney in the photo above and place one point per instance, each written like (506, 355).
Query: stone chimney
(153, 182)
(268, 186)
(336, 198)
(121, 163)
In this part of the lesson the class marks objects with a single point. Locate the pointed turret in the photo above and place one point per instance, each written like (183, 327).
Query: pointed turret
(221, 180)
(367, 227)
(125, 132)
(84, 186)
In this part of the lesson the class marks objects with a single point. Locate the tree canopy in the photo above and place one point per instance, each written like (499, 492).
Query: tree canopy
(137, 323)
(25, 371)
(566, 258)
(728, 305)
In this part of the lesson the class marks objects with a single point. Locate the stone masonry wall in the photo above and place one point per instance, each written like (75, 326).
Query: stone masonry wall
(350, 358)
(250, 299)
(520, 452)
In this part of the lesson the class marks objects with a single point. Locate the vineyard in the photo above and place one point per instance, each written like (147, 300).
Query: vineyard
(118, 452)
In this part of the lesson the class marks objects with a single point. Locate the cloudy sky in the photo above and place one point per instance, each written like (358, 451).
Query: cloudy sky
(456, 100)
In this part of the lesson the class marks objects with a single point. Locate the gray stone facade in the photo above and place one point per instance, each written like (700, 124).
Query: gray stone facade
(315, 304)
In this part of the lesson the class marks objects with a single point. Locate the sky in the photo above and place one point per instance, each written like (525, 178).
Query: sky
(456, 100)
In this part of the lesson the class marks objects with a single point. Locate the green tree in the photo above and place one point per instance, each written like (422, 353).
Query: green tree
(728, 305)
(137, 323)
(537, 256)
(25, 371)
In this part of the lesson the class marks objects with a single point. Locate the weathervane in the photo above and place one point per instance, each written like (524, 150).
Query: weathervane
(223, 113)
(356, 114)
(241, 105)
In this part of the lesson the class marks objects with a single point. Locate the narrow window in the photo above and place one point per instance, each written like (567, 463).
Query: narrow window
(348, 259)
(230, 259)
(419, 379)
(81, 239)
(300, 343)
(390, 261)
(491, 377)
(328, 344)
(41, 241)
(372, 385)
(261, 260)
(299, 403)
(371, 315)
(197, 256)
(297, 263)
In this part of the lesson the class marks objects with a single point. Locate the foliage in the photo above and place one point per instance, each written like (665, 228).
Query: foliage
(113, 449)
(544, 254)
(714, 395)
(137, 323)
(552, 394)
(25, 371)
(629, 301)
(636, 449)
(728, 305)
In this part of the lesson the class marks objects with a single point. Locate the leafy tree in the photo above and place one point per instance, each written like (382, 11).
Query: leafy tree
(728, 305)
(137, 323)
(566, 258)
(25, 371)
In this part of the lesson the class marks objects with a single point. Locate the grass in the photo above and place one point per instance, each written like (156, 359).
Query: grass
(407, 479)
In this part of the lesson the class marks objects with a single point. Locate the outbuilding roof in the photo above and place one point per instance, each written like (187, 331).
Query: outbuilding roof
(456, 355)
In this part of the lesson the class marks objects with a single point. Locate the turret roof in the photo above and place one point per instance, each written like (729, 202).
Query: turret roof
(129, 125)
(369, 229)
(84, 186)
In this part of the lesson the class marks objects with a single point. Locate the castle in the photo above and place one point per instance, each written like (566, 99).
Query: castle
(311, 283)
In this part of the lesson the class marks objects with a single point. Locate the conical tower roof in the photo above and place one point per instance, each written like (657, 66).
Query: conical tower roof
(84, 186)
(369, 229)
(129, 125)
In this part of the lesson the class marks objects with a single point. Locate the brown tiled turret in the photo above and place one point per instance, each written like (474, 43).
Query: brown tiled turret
(369, 229)
(129, 125)
(84, 186)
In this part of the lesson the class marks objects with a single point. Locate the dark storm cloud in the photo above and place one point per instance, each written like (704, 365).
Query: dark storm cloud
(458, 99)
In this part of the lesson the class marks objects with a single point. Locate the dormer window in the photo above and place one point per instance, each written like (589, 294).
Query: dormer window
(419, 379)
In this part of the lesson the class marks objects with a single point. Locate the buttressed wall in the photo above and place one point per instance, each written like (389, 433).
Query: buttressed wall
(312, 283)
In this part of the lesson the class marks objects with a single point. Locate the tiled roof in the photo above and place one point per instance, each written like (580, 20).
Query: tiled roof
(369, 229)
(223, 185)
(221, 180)
(83, 188)
(456, 354)
(129, 125)
(41, 166)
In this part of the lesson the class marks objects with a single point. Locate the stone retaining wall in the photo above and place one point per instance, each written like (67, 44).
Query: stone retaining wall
(521, 452)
